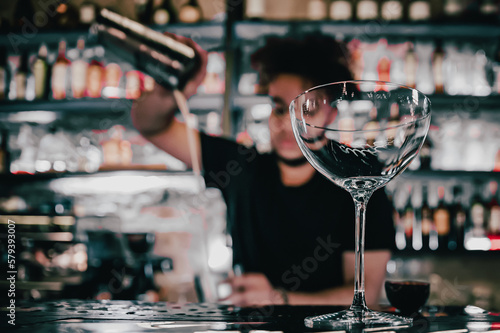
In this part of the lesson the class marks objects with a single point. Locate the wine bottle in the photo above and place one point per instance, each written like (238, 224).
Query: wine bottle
(437, 68)
(79, 68)
(164, 13)
(40, 72)
(477, 213)
(4, 152)
(459, 220)
(341, 10)
(493, 208)
(168, 61)
(409, 219)
(427, 218)
(442, 219)
(60, 73)
(21, 76)
(190, 12)
(425, 154)
(391, 10)
(4, 74)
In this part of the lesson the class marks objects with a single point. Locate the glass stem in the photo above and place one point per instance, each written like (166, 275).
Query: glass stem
(360, 201)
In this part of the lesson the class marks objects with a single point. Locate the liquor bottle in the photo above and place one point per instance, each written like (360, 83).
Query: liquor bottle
(4, 74)
(477, 213)
(79, 69)
(442, 220)
(394, 121)
(144, 11)
(453, 9)
(190, 12)
(488, 10)
(411, 66)
(417, 202)
(458, 220)
(409, 219)
(255, 9)
(316, 10)
(4, 152)
(60, 73)
(419, 10)
(112, 77)
(41, 73)
(67, 17)
(164, 13)
(427, 218)
(341, 10)
(87, 14)
(23, 16)
(133, 85)
(367, 10)
(391, 10)
(95, 76)
(384, 70)
(371, 128)
(21, 76)
(425, 154)
(4, 25)
(493, 208)
(437, 68)
(168, 61)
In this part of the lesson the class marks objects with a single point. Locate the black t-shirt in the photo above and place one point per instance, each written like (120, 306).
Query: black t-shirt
(293, 235)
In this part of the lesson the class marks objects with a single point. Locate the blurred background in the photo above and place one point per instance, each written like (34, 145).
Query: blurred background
(101, 213)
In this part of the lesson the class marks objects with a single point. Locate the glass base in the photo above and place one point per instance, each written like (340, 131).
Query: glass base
(349, 319)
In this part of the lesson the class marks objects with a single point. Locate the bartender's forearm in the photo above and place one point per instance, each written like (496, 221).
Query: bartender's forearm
(153, 112)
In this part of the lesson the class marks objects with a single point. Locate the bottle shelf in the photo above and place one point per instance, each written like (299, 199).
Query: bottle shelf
(143, 171)
(210, 35)
(459, 175)
(249, 31)
(198, 104)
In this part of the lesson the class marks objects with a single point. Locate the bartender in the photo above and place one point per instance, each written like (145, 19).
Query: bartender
(292, 229)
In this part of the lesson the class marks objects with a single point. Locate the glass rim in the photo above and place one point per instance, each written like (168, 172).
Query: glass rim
(358, 82)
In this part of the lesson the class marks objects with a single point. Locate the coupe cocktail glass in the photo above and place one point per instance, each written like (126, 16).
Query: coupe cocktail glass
(360, 135)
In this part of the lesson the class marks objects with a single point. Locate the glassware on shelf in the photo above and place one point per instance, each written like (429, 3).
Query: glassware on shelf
(357, 167)
(341, 10)
(424, 77)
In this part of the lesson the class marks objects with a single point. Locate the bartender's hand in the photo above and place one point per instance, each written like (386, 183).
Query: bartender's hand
(193, 84)
(253, 289)
(153, 112)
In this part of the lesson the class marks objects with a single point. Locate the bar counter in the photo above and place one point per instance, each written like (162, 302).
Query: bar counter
(135, 316)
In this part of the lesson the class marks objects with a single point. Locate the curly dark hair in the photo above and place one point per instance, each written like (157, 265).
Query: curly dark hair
(319, 59)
